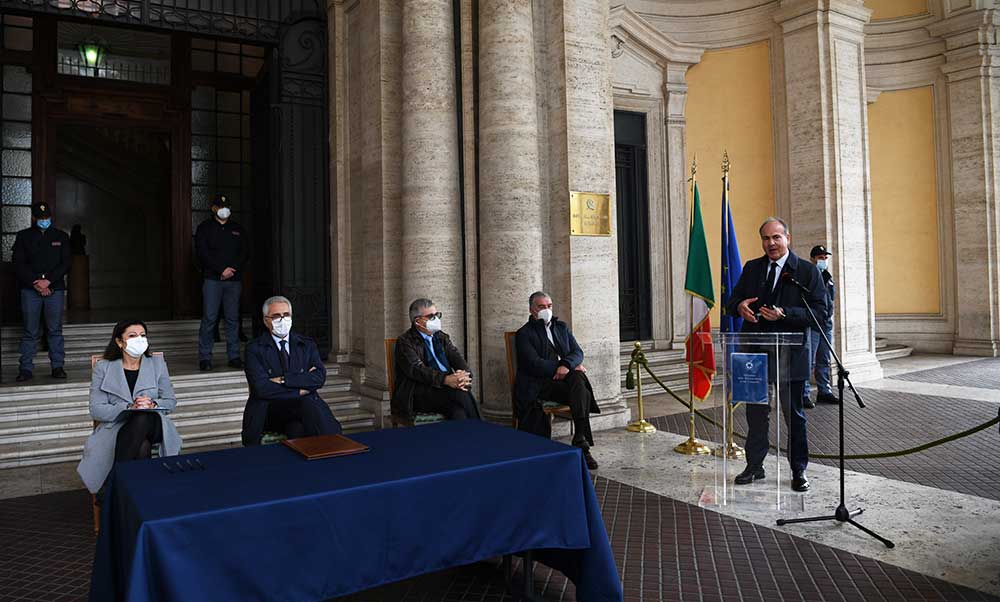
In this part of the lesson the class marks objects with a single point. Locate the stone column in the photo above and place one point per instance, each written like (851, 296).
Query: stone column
(581, 141)
(510, 238)
(431, 209)
(678, 172)
(827, 131)
(973, 81)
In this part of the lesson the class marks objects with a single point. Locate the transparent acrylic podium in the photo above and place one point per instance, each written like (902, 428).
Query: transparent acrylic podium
(753, 369)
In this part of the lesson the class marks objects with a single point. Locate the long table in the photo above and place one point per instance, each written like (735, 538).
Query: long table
(262, 523)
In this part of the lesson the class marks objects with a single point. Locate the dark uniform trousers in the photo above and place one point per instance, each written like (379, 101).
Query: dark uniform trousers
(453, 404)
(572, 391)
(306, 417)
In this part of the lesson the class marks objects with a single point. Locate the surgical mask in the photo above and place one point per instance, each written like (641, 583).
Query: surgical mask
(822, 264)
(136, 346)
(433, 325)
(282, 326)
(545, 315)
(224, 213)
(44, 223)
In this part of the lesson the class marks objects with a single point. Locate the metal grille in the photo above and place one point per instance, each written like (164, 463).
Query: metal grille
(145, 72)
(15, 144)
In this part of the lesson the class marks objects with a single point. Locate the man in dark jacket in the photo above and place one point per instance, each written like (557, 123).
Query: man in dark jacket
(222, 249)
(41, 260)
(431, 376)
(819, 352)
(550, 368)
(284, 371)
(768, 301)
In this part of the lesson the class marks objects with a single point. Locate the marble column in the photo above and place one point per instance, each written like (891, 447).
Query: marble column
(581, 158)
(827, 154)
(431, 202)
(973, 83)
(510, 237)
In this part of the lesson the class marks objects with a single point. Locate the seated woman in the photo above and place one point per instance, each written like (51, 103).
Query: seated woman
(130, 397)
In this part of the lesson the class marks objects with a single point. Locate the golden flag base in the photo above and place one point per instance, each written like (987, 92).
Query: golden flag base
(731, 451)
(640, 426)
(692, 447)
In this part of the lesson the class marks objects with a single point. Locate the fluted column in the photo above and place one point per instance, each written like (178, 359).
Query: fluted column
(510, 238)
(431, 209)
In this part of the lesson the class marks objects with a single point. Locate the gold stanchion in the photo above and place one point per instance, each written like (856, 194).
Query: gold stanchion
(730, 449)
(692, 447)
(639, 360)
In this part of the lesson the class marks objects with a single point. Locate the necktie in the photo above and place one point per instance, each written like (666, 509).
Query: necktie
(283, 356)
(430, 350)
(771, 273)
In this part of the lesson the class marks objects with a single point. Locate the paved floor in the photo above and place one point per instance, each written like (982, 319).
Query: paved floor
(665, 546)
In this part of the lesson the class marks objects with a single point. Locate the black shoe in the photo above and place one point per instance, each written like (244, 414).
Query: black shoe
(23, 375)
(749, 475)
(236, 363)
(800, 482)
(808, 403)
(58, 373)
(205, 365)
(589, 459)
(827, 398)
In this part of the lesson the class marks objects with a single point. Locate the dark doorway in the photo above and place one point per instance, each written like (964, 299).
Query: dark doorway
(115, 183)
(633, 226)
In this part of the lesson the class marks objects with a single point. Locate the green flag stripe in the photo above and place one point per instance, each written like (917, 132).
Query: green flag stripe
(698, 280)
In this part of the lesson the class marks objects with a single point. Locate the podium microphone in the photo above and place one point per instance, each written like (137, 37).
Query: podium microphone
(787, 277)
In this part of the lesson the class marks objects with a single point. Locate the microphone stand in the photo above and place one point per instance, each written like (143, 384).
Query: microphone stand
(841, 514)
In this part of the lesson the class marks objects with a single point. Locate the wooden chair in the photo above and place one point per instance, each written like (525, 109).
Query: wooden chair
(551, 408)
(417, 418)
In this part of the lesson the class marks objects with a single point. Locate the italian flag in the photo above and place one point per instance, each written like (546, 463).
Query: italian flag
(699, 354)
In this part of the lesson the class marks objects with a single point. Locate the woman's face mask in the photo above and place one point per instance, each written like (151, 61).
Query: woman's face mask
(136, 346)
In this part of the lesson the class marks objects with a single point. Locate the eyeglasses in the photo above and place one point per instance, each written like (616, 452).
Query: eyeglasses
(279, 316)
(433, 315)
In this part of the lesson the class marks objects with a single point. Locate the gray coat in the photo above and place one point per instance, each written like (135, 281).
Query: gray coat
(109, 396)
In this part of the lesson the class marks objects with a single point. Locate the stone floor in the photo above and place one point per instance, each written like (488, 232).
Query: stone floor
(941, 507)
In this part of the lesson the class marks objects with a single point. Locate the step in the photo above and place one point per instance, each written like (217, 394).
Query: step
(892, 351)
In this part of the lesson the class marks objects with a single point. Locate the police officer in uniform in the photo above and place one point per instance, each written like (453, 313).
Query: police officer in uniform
(819, 354)
(222, 249)
(41, 261)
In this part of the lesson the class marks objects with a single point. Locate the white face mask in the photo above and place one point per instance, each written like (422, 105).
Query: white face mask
(281, 327)
(545, 315)
(822, 264)
(224, 213)
(433, 325)
(136, 346)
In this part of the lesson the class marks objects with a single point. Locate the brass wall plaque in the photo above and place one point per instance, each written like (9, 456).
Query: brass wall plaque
(589, 214)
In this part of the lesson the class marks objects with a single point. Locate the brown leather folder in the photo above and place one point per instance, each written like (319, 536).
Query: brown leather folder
(325, 446)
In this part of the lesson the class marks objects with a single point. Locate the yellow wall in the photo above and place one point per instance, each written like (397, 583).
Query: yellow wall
(904, 202)
(892, 9)
(729, 107)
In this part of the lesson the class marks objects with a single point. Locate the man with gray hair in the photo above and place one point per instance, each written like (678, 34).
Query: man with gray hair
(284, 371)
(550, 368)
(431, 375)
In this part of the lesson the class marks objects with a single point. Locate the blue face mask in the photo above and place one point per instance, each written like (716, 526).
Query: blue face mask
(822, 264)
(44, 223)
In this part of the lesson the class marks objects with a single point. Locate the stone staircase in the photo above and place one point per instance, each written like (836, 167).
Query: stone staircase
(46, 421)
(668, 364)
(884, 350)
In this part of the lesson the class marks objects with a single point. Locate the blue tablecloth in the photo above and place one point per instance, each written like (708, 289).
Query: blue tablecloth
(262, 523)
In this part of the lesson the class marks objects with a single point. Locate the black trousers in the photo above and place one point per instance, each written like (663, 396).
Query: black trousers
(453, 404)
(137, 436)
(306, 417)
(572, 391)
(759, 422)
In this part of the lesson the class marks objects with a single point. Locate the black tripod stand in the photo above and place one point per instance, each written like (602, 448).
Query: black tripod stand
(841, 514)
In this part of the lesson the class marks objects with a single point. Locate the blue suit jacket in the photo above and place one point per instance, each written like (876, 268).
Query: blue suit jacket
(263, 364)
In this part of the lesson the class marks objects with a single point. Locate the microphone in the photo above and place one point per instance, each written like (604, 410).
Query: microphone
(787, 277)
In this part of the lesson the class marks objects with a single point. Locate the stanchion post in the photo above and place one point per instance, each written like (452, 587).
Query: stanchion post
(639, 361)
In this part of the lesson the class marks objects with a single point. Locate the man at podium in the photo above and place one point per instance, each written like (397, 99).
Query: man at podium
(769, 299)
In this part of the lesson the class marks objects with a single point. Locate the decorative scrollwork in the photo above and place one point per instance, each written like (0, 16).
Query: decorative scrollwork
(303, 47)
(618, 46)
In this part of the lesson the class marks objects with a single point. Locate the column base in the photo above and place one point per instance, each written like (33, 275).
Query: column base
(863, 365)
(977, 347)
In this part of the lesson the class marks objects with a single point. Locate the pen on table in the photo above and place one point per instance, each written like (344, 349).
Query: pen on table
(191, 464)
(200, 465)
(167, 467)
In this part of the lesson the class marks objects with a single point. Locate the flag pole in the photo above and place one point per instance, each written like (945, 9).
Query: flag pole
(730, 449)
(692, 447)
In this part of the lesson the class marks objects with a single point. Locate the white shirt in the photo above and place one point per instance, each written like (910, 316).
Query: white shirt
(777, 271)
(277, 341)
(548, 331)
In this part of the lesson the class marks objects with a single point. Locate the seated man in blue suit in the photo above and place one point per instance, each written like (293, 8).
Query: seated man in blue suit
(284, 371)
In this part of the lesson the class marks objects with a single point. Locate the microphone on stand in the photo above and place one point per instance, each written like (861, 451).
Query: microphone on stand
(787, 277)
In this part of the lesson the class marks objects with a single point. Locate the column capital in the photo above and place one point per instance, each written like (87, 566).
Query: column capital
(972, 44)
(675, 91)
(847, 15)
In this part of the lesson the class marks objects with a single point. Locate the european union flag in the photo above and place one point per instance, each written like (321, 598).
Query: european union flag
(732, 266)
